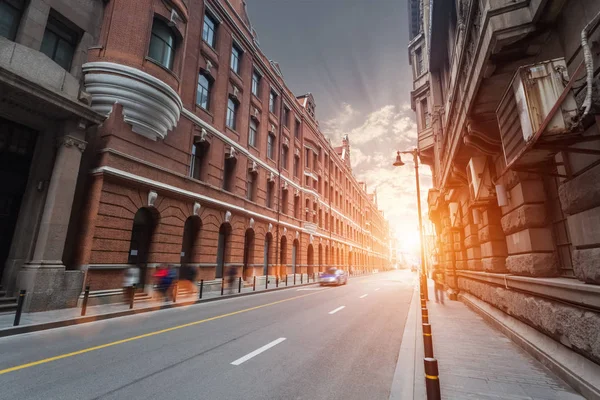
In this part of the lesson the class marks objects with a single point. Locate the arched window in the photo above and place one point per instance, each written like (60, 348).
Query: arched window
(294, 256)
(310, 259)
(144, 224)
(162, 44)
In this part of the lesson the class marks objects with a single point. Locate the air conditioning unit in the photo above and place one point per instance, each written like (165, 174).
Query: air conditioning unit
(480, 180)
(529, 99)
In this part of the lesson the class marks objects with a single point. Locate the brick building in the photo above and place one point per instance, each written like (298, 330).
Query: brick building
(499, 92)
(204, 158)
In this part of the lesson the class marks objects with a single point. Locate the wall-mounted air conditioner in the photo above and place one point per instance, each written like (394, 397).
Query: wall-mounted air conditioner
(529, 99)
(480, 180)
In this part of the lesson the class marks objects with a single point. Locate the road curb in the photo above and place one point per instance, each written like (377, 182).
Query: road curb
(409, 370)
(18, 330)
(579, 372)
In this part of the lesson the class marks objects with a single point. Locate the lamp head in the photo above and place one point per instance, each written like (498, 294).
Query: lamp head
(398, 162)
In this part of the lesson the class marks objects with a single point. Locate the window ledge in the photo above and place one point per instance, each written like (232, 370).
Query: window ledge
(563, 289)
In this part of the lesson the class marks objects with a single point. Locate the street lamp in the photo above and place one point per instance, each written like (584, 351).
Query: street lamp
(399, 163)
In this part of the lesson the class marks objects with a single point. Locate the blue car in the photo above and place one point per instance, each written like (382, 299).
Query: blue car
(333, 276)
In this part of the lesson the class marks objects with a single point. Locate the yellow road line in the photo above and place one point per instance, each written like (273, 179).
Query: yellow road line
(145, 335)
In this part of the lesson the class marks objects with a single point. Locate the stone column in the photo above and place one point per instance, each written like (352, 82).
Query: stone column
(528, 233)
(48, 284)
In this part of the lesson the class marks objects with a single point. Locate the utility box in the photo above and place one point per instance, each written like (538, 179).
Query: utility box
(529, 99)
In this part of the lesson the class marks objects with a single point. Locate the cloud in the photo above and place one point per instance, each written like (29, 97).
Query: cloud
(374, 139)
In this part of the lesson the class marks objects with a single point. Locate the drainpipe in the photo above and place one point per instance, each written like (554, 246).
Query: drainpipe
(589, 64)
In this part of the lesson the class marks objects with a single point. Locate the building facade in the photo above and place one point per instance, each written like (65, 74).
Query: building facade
(45, 125)
(203, 158)
(500, 93)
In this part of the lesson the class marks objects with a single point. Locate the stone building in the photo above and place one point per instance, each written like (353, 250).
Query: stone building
(196, 153)
(499, 93)
(45, 124)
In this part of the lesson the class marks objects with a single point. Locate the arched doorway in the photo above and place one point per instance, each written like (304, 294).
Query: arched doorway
(144, 224)
(337, 261)
(320, 259)
(294, 255)
(350, 266)
(310, 260)
(248, 253)
(283, 254)
(191, 228)
(223, 249)
(343, 261)
(267, 253)
(326, 257)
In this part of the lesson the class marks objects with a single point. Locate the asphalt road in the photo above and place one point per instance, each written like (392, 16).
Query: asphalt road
(292, 344)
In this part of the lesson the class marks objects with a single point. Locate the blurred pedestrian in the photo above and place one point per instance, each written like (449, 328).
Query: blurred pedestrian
(231, 275)
(131, 279)
(438, 278)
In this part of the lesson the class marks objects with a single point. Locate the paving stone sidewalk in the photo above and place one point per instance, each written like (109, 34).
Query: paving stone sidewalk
(478, 362)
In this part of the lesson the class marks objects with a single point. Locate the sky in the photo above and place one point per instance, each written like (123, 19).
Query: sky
(352, 56)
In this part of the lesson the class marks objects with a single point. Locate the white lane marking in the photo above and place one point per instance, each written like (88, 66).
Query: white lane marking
(337, 309)
(377, 289)
(257, 351)
(363, 296)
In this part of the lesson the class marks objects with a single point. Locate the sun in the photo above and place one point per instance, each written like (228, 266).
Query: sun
(408, 242)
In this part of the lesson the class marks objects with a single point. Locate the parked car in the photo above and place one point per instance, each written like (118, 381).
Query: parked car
(333, 276)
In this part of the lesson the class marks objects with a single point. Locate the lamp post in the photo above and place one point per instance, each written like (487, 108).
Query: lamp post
(399, 163)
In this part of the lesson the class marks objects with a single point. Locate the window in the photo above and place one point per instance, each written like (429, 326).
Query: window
(252, 133)
(203, 91)
(296, 166)
(272, 101)
(286, 116)
(297, 130)
(284, 157)
(208, 30)
(270, 145)
(59, 41)
(269, 199)
(255, 83)
(307, 158)
(418, 61)
(231, 113)
(229, 174)
(199, 152)
(284, 201)
(10, 16)
(425, 116)
(251, 186)
(296, 206)
(236, 54)
(315, 160)
(307, 181)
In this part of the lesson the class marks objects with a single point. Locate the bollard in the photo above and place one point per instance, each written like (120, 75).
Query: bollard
(132, 296)
(423, 303)
(222, 285)
(301, 278)
(427, 340)
(314, 277)
(254, 284)
(277, 281)
(286, 279)
(294, 279)
(174, 291)
(20, 302)
(432, 379)
(266, 282)
(201, 287)
(424, 315)
(86, 294)
(240, 285)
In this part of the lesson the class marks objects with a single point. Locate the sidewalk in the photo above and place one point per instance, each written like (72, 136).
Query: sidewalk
(72, 316)
(475, 360)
